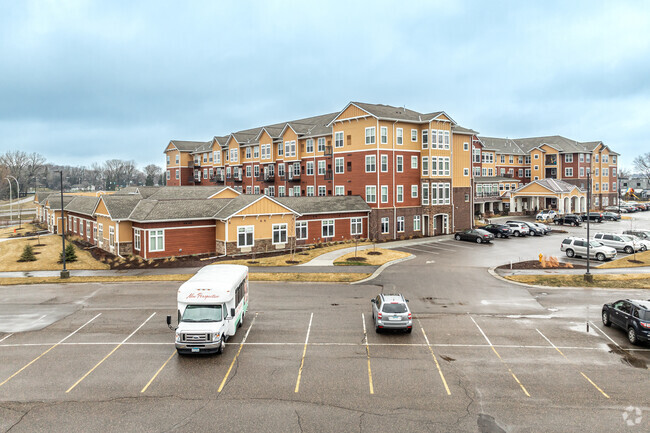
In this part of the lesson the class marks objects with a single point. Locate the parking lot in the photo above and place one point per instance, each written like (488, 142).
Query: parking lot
(483, 356)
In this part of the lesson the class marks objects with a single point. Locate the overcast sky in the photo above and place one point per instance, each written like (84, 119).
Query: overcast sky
(83, 82)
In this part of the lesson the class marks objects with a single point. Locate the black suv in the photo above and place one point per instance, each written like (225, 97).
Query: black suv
(631, 315)
(498, 230)
(570, 219)
(593, 216)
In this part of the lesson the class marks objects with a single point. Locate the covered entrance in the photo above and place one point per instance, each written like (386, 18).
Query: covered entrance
(548, 194)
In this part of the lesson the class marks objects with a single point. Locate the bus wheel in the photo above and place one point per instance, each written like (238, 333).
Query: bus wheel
(241, 321)
(222, 345)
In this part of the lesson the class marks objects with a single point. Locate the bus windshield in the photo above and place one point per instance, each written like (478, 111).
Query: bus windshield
(202, 313)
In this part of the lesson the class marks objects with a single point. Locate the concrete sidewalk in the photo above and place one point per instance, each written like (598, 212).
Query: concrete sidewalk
(328, 259)
(595, 271)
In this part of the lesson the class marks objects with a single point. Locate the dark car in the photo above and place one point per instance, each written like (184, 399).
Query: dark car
(632, 316)
(534, 230)
(498, 230)
(593, 216)
(570, 219)
(611, 216)
(475, 235)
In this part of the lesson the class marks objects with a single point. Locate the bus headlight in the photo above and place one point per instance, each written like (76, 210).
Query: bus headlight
(178, 337)
(215, 337)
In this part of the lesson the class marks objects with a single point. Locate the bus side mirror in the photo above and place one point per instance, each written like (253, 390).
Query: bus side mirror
(232, 313)
(169, 320)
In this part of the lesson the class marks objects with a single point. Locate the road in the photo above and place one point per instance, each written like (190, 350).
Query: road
(484, 355)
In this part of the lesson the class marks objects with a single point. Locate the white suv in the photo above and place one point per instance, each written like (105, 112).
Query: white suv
(620, 242)
(518, 229)
(391, 312)
(577, 247)
(546, 215)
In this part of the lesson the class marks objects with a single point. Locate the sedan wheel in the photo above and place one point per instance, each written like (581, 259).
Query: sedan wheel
(600, 257)
(479, 240)
(631, 335)
(606, 321)
(628, 250)
(457, 237)
(498, 235)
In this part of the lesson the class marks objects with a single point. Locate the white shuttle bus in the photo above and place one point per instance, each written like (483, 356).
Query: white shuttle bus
(211, 306)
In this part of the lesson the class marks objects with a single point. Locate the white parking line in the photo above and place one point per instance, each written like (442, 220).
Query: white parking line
(455, 245)
(420, 250)
(438, 247)
(365, 338)
(5, 337)
(304, 352)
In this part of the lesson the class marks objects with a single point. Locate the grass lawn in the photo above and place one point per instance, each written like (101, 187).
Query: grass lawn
(612, 281)
(47, 257)
(6, 232)
(628, 262)
(370, 259)
(261, 276)
(301, 257)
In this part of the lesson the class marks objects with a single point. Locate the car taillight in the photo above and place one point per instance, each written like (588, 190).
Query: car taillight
(410, 316)
(646, 325)
(378, 315)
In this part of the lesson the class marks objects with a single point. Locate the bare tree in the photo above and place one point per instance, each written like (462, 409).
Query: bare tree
(34, 168)
(642, 164)
(152, 171)
(15, 162)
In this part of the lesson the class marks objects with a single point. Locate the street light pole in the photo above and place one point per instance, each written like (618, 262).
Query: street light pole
(64, 273)
(17, 196)
(11, 206)
(588, 276)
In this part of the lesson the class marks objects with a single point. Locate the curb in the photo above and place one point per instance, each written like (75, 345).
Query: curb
(382, 267)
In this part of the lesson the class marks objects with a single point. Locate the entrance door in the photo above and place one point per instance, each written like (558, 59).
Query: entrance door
(425, 225)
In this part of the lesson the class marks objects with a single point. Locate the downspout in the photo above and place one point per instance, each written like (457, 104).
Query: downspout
(394, 186)
(117, 238)
(451, 183)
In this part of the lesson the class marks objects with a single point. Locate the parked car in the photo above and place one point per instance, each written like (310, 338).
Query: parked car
(498, 230)
(620, 242)
(577, 247)
(593, 216)
(645, 243)
(533, 230)
(643, 234)
(475, 235)
(518, 229)
(611, 216)
(570, 219)
(633, 316)
(546, 214)
(545, 229)
(391, 312)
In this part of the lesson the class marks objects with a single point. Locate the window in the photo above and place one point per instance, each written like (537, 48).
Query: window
(248, 153)
(425, 166)
(400, 163)
(568, 157)
(101, 231)
(425, 193)
(322, 191)
(536, 156)
(321, 167)
(111, 236)
(466, 172)
(74, 221)
(434, 139)
(521, 172)
(536, 167)
(425, 139)
(217, 157)
(447, 193)
(582, 157)
(339, 190)
(370, 135)
(400, 193)
(321, 144)
(414, 162)
(613, 159)
(511, 159)
(205, 173)
(309, 168)
(280, 149)
(136, 239)
(582, 172)
(596, 186)
(520, 160)
(281, 191)
(338, 165)
(356, 226)
(434, 193)
(301, 229)
(234, 157)
(178, 158)
(279, 234)
(466, 147)
(613, 186)
(400, 135)
(605, 172)
(249, 189)
(477, 155)
(384, 163)
(447, 140)
(310, 190)
(414, 191)
(605, 186)
(266, 151)
(385, 225)
(484, 171)
(371, 194)
(178, 174)
(156, 240)
(434, 166)
(167, 175)
(613, 171)
(248, 171)
(384, 193)
(88, 229)
(400, 224)
(414, 135)
(589, 157)
(338, 139)
(384, 134)
(309, 144)
(245, 236)
(290, 148)
(327, 228)
(416, 223)
(596, 158)
(596, 172)
(256, 189)
(568, 171)
(371, 161)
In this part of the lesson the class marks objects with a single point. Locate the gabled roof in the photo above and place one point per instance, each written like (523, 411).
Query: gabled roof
(242, 202)
(328, 204)
(53, 201)
(82, 205)
(187, 146)
(554, 185)
(460, 130)
(120, 206)
(502, 145)
(168, 210)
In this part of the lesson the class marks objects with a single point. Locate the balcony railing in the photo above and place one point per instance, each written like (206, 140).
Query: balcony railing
(328, 151)
(293, 175)
(328, 174)
(487, 194)
(268, 177)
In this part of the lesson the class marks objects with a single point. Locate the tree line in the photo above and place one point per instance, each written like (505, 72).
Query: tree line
(33, 172)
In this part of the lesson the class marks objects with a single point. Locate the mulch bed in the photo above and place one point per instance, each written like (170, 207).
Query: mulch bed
(535, 264)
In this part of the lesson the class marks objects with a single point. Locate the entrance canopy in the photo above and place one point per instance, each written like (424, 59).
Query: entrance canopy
(548, 194)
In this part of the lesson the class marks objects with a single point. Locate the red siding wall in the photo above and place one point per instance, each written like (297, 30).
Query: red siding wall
(182, 238)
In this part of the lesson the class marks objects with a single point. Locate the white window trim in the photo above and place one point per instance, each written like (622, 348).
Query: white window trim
(275, 227)
(245, 232)
(154, 232)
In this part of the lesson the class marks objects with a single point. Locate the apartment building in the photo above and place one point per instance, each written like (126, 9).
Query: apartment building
(413, 169)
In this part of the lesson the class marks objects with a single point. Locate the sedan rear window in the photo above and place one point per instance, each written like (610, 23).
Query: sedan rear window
(394, 308)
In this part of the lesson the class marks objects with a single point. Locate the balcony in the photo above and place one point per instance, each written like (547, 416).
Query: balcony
(293, 175)
(195, 180)
(237, 177)
(328, 174)
(487, 194)
(551, 160)
(268, 177)
(217, 178)
(196, 163)
(328, 151)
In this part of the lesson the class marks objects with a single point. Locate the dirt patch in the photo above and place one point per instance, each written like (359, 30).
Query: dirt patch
(356, 259)
(536, 264)
(374, 253)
